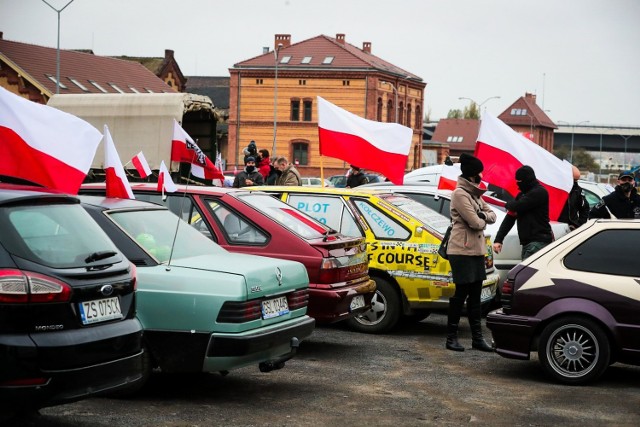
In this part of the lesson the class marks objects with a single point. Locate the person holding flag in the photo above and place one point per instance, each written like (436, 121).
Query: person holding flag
(530, 210)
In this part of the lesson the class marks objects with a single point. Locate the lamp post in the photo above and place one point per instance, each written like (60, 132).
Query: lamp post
(624, 162)
(573, 131)
(58, 49)
(482, 103)
(275, 101)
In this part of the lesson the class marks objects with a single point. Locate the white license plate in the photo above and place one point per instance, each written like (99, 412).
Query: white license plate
(357, 302)
(100, 310)
(486, 293)
(274, 307)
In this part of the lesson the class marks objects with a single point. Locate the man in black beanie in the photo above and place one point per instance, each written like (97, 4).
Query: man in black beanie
(531, 210)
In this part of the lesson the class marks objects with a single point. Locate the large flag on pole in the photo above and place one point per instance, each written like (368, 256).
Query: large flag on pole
(503, 151)
(380, 147)
(184, 149)
(44, 145)
(141, 165)
(117, 183)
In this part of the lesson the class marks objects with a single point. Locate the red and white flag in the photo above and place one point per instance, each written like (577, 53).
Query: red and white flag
(44, 145)
(141, 165)
(117, 183)
(503, 151)
(165, 183)
(184, 149)
(380, 147)
(449, 177)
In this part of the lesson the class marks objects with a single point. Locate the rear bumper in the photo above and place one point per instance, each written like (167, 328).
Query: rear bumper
(334, 305)
(489, 288)
(512, 335)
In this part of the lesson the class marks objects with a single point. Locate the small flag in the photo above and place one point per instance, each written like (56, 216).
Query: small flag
(117, 183)
(141, 165)
(165, 183)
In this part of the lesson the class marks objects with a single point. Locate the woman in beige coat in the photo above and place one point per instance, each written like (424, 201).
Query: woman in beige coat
(467, 247)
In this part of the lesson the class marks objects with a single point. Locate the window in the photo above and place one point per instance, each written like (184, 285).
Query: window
(306, 60)
(519, 112)
(607, 253)
(401, 113)
(346, 82)
(53, 79)
(379, 111)
(285, 59)
(149, 90)
(133, 89)
(237, 229)
(301, 153)
(418, 124)
(382, 225)
(113, 85)
(80, 85)
(302, 82)
(452, 138)
(97, 85)
(409, 115)
(327, 60)
(308, 105)
(295, 110)
(329, 210)
(259, 81)
(389, 110)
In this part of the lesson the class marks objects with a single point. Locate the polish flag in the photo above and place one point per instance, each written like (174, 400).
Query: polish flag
(165, 183)
(184, 149)
(449, 177)
(368, 144)
(503, 151)
(141, 165)
(44, 145)
(117, 183)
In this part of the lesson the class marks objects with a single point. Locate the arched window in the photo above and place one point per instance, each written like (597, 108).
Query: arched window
(401, 113)
(300, 150)
(379, 112)
(408, 115)
(389, 110)
(418, 117)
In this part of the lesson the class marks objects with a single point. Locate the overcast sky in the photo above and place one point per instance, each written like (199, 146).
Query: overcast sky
(580, 57)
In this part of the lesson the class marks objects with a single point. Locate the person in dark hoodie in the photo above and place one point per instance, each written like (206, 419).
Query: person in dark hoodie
(469, 216)
(530, 209)
(249, 176)
(576, 209)
(624, 202)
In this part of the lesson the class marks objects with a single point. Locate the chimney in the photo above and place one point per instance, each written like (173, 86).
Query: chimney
(340, 38)
(283, 39)
(530, 96)
(168, 54)
(366, 47)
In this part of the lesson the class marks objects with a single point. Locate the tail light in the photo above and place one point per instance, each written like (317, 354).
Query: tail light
(23, 287)
(507, 294)
(298, 299)
(336, 270)
(239, 311)
(25, 382)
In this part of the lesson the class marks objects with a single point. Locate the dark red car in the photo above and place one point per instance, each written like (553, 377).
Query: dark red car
(256, 223)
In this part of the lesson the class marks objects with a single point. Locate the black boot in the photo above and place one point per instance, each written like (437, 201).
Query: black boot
(455, 308)
(452, 338)
(475, 321)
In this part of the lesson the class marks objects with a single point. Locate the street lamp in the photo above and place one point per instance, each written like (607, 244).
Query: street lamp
(482, 103)
(275, 101)
(573, 131)
(58, 49)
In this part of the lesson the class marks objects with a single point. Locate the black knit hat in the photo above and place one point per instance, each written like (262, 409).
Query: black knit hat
(249, 159)
(470, 165)
(525, 174)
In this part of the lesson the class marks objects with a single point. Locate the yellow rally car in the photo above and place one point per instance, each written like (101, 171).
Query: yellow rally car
(403, 237)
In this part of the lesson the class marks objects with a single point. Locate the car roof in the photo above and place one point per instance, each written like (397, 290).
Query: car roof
(115, 203)
(195, 189)
(319, 190)
(14, 192)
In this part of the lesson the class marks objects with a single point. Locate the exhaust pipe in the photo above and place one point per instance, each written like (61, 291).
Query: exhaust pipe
(275, 364)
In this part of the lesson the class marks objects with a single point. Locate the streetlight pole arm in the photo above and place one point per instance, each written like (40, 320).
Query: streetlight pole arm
(58, 11)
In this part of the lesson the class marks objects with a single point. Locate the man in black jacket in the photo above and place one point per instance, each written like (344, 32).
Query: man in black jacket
(576, 209)
(531, 210)
(624, 202)
(356, 177)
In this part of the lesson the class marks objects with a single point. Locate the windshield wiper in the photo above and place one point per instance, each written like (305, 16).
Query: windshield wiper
(96, 256)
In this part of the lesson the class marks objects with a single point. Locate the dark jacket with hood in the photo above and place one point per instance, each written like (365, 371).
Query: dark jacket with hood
(576, 210)
(530, 209)
(619, 205)
(241, 178)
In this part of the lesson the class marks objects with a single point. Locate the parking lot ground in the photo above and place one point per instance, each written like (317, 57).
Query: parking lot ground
(405, 378)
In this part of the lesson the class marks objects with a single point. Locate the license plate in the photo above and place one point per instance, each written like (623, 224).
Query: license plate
(357, 302)
(100, 310)
(274, 307)
(486, 293)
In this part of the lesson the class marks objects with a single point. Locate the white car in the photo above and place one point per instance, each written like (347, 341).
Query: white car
(315, 182)
(439, 200)
(594, 191)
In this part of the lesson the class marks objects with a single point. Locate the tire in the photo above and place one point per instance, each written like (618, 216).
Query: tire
(384, 313)
(574, 350)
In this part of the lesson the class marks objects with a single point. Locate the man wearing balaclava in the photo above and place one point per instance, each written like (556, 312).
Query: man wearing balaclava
(531, 210)
(249, 176)
(624, 202)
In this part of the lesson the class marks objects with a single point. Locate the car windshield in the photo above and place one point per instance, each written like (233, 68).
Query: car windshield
(58, 236)
(155, 230)
(282, 213)
(427, 216)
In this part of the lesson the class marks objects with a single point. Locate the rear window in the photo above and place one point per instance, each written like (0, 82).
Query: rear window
(614, 252)
(424, 214)
(292, 219)
(58, 236)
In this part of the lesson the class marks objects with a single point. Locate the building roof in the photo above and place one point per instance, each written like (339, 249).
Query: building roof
(525, 112)
(157, 65)
(216, 88)
(460, 134)
(37, 64)
(315, 54)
